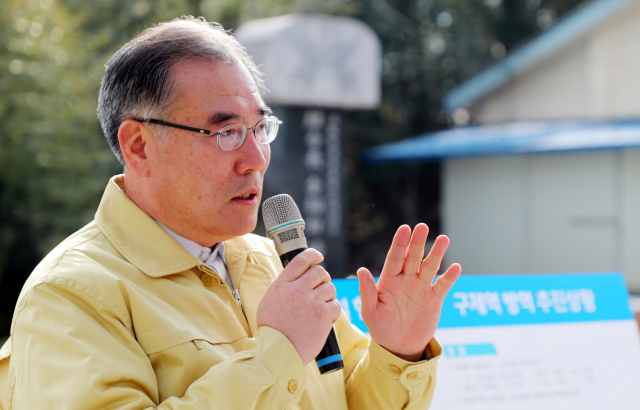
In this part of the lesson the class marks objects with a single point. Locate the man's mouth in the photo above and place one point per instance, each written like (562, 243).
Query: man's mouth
(246, 196)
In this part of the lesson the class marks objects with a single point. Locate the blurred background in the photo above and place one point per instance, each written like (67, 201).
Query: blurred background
(514, 119)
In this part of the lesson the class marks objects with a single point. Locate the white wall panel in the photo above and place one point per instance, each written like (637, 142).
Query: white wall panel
(545, 213)
(483, 202)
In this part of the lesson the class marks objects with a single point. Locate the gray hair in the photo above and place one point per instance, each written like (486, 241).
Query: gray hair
(137, 82)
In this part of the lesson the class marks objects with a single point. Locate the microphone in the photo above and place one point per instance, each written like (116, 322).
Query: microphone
(285, 227)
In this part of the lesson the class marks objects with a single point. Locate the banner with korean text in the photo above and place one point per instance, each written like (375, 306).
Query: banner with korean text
(531, 342)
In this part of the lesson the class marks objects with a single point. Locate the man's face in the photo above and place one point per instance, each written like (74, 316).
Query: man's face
(200, 191)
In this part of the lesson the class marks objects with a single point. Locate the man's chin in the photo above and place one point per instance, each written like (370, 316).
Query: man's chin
(239, 229)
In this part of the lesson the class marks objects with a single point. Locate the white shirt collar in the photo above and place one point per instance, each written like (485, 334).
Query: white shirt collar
(202, 253)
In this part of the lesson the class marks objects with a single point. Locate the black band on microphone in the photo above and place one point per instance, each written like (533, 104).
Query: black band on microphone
(330, 359)
(287, 257)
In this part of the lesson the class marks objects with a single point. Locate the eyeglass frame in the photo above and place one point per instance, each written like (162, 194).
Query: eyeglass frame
(204, 131)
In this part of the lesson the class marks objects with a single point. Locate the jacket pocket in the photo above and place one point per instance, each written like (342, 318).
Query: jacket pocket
(175, 334)
(180, 355)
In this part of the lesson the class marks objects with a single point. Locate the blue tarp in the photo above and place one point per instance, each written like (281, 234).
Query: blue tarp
(512, 138)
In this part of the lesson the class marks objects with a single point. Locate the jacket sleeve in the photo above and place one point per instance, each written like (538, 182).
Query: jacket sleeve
(377, 379)
(70, 350)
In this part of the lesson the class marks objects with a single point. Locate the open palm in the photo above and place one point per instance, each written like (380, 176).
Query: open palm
(402, 310)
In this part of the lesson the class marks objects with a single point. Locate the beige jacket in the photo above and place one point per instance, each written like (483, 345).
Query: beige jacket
(120, 316)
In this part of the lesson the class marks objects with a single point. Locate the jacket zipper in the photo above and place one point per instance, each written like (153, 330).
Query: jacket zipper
(236, 296)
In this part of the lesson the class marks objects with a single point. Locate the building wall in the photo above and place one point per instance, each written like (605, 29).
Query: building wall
(595, 77)
(545, 213)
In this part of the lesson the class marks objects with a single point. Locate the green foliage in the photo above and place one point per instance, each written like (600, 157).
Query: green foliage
(50, 155)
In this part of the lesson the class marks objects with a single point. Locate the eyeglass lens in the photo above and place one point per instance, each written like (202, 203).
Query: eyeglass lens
(232, 136)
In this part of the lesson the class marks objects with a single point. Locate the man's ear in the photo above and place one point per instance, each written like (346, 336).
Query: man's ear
(133, 137)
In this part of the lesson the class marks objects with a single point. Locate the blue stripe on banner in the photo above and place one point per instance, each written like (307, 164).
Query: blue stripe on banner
(495, 300)
(330, 359)
(481, 349)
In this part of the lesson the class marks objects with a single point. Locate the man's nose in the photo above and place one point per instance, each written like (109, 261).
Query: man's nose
(253, 156)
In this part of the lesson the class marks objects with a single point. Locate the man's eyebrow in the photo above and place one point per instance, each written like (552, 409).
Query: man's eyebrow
(220, 117)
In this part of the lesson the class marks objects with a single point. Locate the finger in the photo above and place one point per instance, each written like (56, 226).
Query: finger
(368, 291)
(445, 282)
(415, 252)
(431, 264)
(300, 264)
(314, 277)
(325, 292)
(394, 262)
(336, 310)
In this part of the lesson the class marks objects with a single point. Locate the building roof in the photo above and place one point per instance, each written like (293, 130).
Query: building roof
(512, 138)
(566, 30)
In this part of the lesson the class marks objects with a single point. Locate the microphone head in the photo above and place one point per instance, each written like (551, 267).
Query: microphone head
(279, 210)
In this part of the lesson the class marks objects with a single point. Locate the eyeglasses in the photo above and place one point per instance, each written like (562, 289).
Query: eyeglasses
(232, 136)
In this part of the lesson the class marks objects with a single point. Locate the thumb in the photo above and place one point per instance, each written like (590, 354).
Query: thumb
(300, 264)
(368, 291)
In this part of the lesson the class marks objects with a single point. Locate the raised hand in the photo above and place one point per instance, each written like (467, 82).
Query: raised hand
(402, 310)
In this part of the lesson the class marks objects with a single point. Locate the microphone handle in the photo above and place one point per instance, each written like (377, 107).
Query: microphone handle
(329, 359)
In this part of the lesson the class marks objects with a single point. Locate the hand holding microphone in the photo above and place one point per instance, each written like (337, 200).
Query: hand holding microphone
(301, 303)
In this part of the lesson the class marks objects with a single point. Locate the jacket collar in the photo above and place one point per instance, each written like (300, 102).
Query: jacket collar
(144, 243)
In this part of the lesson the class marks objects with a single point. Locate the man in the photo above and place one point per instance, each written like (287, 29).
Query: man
(165, 301)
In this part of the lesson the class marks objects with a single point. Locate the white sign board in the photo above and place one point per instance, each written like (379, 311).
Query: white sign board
(534, 342)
